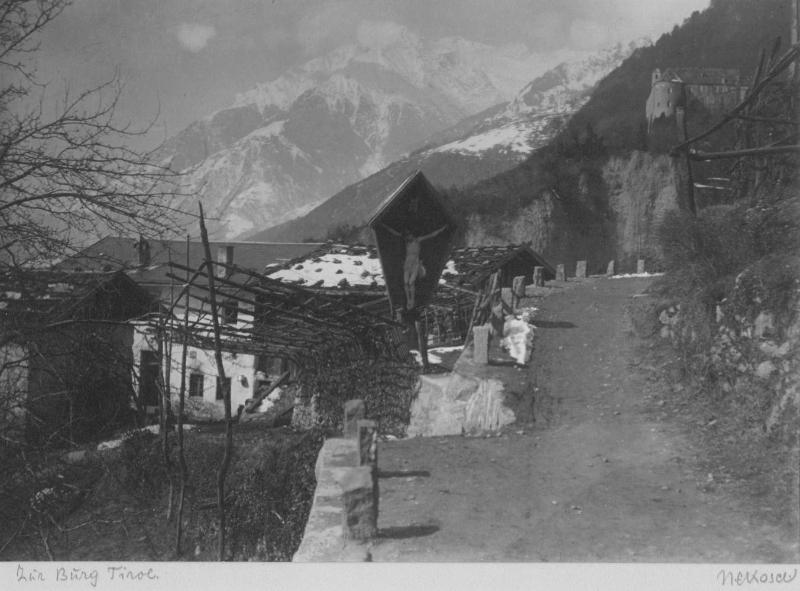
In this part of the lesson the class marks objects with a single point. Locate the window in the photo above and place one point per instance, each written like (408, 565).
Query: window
(196, 385)
(230, 312)
(220, 391)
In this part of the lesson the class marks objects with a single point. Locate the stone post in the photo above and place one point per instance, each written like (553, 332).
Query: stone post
(480, 344)
(368, 453)
(368, 442)
(640, 266)
(518, 289)
(353, 412)
(360, 520)
(507, 296)
(560, 274)
(610, 268)
(580, 270)
(538, 276)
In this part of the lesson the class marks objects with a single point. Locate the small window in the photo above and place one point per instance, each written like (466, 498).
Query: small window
(230, 312)
(220, 391)
(196, 385)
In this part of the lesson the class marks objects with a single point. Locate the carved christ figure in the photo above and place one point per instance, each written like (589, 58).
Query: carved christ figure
(413, 269)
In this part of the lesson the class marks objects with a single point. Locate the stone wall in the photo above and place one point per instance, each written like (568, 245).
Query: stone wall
(344, 513)
(755, 350)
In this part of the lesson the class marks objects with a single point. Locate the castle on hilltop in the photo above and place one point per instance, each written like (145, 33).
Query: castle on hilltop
(715, 90)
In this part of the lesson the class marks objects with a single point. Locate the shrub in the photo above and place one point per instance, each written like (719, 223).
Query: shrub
(386, 387)
(270, 506)
(143, 472)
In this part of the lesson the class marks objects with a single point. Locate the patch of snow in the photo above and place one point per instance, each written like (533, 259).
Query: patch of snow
(432, 357)
(442, 350)
(518, 339)
(632, 275)
(512, 137)
(332, 268)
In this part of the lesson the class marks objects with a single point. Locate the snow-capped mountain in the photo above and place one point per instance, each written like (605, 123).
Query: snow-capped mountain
(478, 147)
(539, 110)
(287, 145)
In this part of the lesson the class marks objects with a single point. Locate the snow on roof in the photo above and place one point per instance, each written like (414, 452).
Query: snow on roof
(341, 267)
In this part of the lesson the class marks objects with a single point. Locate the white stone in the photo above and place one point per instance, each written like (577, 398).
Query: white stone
(765, 369)
(763, 322)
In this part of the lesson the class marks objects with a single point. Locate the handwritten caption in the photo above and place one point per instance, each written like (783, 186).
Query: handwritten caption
(91, 576)
(738, 578)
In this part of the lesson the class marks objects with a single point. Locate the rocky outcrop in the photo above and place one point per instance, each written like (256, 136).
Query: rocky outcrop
(612, 217)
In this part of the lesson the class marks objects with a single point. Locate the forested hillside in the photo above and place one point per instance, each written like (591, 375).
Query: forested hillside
(729, 34)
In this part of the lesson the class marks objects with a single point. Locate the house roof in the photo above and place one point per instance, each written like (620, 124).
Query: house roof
(343, 267)
(57, 295)
(339, 266)
(114, 252)
(474, 264)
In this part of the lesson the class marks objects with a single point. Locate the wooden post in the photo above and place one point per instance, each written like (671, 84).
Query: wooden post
(422, 344)
(560, 273)
(226, 391)
(580, 270)
(680, 118)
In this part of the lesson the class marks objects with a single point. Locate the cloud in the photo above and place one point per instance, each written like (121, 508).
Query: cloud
(330, 25)
(194, 36)
(588, 34)
(378, 34)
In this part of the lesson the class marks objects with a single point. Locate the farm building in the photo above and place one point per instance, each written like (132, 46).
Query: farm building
(67, 353)
(148, 264)
(353, 272)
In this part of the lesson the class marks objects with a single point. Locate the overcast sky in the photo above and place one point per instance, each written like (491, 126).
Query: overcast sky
(183, 59)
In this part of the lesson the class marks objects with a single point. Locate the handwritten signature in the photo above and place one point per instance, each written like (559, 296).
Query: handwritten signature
(91, 576)
(754, 577)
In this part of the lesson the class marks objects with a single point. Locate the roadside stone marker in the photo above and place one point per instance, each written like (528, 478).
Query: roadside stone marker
(368, 442)
(353, 411)
(560, 274)
(640, 266)
(580, 270)
(360, 520)
(610, 268)
(481, 344)
(507, 295)
(538, 276)
(518, 289)
(368, 452)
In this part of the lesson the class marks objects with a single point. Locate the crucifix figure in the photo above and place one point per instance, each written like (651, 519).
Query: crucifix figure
(413, 269)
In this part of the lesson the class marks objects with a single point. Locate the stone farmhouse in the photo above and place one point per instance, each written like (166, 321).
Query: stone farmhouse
(66, 352)
(149, 265)
(354, 273)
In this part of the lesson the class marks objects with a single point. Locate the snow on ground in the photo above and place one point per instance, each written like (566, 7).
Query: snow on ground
(114, 443)
(332, 269)
(432, 357)
(512, 137)
(443, 350)
(631, 275)
(518, 336)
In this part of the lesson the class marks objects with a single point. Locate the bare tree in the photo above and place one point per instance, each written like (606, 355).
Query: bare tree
(66, 168)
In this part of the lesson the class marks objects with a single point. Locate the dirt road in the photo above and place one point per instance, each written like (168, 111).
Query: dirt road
(597, 478)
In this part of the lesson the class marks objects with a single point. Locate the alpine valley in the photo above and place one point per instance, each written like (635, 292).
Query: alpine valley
(349, 122)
